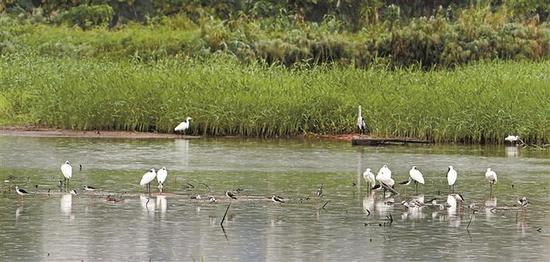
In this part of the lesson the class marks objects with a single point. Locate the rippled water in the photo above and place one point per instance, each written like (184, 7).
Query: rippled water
(58, 226)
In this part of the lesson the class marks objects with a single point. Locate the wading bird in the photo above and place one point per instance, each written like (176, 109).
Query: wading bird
(491, 176)
(277, 199)
(67, 171)
(369, 178)
(414, 176)
(320, 191)
(384, 177)
(161, 177)
(147, 178)
(512, 139)
(20, 191)
(89, 188)
(523, 202)
(361, 122)
(451, 177)
(183, 125)
(230, 195)
(211, 199)
(73, 192)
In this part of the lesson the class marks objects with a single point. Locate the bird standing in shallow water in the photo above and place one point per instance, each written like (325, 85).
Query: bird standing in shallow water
(230, 195)
(523, 202)
(369, 178)
(183, 125)
(361, 122)
(161, 177)
(491, 176)
(451, 178)
(20, 191)
(277, 199)
(89, 188)
(320, 191)
(67, 171)
(415, 176)
(147, 178)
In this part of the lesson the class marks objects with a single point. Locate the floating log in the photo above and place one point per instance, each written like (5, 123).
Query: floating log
(375, 141)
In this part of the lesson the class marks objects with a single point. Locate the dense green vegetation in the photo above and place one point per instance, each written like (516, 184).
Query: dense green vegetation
(451, 71)
(477, 103)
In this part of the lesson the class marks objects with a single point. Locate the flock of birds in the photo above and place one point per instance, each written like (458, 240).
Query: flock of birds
(382, 181)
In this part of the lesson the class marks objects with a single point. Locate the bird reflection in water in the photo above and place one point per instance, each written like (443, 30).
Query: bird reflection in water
(66, 204)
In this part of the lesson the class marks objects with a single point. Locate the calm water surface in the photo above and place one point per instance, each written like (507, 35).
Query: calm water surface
(58, 226)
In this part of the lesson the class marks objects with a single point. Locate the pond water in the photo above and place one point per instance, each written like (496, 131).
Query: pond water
(57, 226)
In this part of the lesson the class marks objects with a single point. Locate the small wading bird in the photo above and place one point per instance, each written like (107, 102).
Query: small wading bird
(67, 171)
(491, 176)
(277, 199)
(89, 188)
(320, 191)
(414, 176)
(523, 202)
(361, 122)
(147, 178)
(161, 177)
(512, 139)
(183, 125)
(73, 192)
(20, 191)
(451, 178)
(230, 195)
(384, 178)
(369, 178)
(211, 199)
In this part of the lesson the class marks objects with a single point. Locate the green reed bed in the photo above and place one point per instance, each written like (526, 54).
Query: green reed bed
(476, 103)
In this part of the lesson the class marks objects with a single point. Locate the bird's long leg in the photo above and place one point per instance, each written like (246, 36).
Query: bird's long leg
(491, 189)
(415, 186)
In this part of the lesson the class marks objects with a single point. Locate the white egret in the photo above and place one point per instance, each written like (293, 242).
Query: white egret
(384, 177)
(20, 191)
(451, 177)
(415, 176)
(67, 171)
(369, 178)
(361, 122)
(147, 178)
(183, 125)
(491, 176)
(161, 177)
(511, 138)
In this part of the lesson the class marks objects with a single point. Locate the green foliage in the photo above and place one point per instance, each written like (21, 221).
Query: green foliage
(477, 103)
(87, 16)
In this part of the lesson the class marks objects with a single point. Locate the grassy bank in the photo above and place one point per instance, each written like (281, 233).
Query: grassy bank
(477, 103)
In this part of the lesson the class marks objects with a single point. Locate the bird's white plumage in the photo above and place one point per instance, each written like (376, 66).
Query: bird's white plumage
(161, 175)
(383, 174)
(183, 125)
(511, 138)
(148, 177)
(360, 121)
(369, 177)
(67, 170)
(451, 176)
(416, 175)
(491, 176)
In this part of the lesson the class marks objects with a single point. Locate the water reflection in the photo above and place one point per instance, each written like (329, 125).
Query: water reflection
(490, 205)
(66, 204)
(511, 151)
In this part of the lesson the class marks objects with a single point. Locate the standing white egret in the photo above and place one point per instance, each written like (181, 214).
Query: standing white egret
(161, 177)
(147, 178)
(361, 122)
(20, 191)
(451, 177)
(183, 125)
(67, 171)
(384, 177)
(511, 139)
(369, 178)
(491, 176)
(414, 176)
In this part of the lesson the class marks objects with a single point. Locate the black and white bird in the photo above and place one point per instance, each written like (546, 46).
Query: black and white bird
(361, 122)
(320, 191)
(277, 199)
(73, 192)
(196, 197)
(20, 191)
(523, 202)
(67, 171)
(211, 199)
(183, 125)
(161, 177)
(230, 195)
(89, 188)
(451, 177)
(147, 178)
(491, 177)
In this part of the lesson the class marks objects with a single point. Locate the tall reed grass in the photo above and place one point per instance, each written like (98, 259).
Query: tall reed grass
(473, 104)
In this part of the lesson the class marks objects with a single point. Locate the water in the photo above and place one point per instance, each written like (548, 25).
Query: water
(58, 226)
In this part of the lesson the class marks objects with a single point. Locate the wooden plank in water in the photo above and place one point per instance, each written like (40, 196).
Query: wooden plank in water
(375, 141)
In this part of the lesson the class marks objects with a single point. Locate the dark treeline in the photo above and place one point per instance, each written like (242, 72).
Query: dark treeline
(396, 33)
